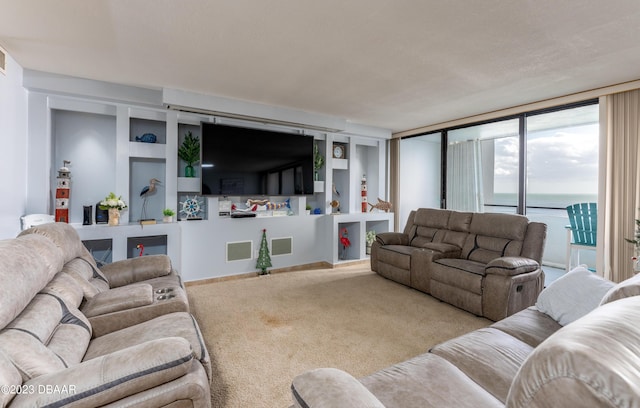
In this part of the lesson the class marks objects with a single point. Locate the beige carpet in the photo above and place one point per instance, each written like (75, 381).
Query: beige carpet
(263, 331)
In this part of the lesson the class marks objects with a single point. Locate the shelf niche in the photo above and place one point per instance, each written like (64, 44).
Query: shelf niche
(151, 245)
(139, 127)
(141, 171)
(182, 132)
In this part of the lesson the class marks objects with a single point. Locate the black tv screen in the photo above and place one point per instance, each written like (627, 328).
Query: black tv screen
(251, 162)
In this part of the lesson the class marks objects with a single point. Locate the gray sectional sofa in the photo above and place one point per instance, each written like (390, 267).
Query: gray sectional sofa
(74, 334)
(485, 263)
(527, 360)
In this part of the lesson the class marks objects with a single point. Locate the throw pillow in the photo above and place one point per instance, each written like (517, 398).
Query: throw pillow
(573, 295)
(626, 288)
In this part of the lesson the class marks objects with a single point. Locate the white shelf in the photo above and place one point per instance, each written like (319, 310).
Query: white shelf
(147, 150)
(357, 225)
(340, 164)
(189, 184)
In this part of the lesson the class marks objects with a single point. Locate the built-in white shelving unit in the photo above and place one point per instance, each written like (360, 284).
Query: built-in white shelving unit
(102, 138)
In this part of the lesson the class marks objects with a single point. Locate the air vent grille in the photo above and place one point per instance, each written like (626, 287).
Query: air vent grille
(238, 251)
(282, 246)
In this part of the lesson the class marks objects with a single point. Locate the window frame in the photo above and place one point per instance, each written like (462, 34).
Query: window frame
(522, 154)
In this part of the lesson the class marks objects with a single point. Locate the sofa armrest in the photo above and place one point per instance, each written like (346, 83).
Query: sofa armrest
(511, 266)
(128, 271)
(111, 377)
(330, 387)
(392, 238)
(117, 299)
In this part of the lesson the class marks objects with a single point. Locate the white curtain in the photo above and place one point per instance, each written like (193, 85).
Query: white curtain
(464, 177)
(622, 191)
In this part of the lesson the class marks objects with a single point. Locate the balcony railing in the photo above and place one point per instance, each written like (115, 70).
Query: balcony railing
(555, 250)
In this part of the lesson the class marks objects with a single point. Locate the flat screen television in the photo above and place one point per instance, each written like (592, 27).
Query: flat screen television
(239, 161)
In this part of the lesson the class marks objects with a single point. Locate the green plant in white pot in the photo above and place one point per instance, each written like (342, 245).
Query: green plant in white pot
(168, 214)
(369, 238)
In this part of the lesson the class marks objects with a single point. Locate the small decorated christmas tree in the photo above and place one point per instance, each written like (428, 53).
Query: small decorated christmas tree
(264, 260)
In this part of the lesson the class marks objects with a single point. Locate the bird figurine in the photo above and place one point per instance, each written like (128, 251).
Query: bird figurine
(145, 193)
(148, 190)
(141, 248)
(344, 240)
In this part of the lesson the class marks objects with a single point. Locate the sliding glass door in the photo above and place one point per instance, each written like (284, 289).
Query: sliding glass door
(483, 167)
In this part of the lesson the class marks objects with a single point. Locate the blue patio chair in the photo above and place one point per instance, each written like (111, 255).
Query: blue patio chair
(582, 231)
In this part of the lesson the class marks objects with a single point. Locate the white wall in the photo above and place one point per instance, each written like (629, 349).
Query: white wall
(13, 150)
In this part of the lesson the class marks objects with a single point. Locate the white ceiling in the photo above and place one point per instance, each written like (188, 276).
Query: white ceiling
(396, 64)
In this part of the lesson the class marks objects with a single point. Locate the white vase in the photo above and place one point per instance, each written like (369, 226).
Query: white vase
(167, 218)
(114, 216)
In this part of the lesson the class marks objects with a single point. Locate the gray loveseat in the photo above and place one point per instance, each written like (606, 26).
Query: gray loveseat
(485, 263)
(527, 360)
(147, 352)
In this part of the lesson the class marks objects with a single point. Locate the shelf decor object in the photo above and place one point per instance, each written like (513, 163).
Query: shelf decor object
(63, 192)
(114, 205)
(191, 207)
(318, 162)
(144, 194)
(167, 215)
(264, 259)
(381, 205)
(345, 242)
(189, 151)
(147, 138)
(363, 193)
(339, 150)
(370, 237)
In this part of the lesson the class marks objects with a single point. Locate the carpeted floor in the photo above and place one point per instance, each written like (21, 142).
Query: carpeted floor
(263, 331)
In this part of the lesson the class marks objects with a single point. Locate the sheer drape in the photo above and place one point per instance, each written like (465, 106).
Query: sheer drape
(464, 176)
(394, 178)
(622, 192)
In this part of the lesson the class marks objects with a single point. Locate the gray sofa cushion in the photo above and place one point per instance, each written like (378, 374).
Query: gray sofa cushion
(28, 272)
(624, 289)
(179, 324)
(427, 381)
(529, 325)
(488, 356)
(48, 336)
(593, 362)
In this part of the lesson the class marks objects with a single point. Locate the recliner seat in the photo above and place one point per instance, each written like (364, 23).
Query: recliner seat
(487, 264)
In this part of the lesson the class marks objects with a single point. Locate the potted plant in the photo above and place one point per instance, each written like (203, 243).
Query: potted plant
(189, 151)
(318, 162)
(308, 209)
(369, 238)
(636, 247)
(114, 205)
(168, 214)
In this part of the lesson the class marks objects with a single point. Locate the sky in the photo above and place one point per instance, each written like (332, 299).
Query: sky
(561, 161)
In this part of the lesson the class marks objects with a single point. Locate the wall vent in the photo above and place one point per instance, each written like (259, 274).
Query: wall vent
(239, 251)
(3, 61)
(282, 246)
